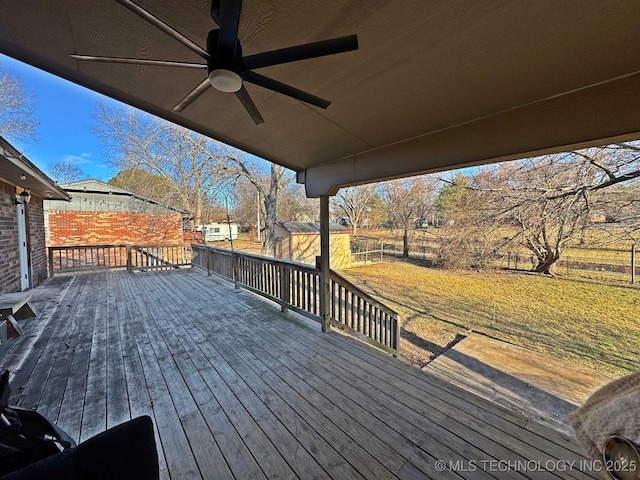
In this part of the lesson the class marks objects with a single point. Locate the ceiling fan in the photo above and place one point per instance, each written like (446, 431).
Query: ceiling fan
(226, 67)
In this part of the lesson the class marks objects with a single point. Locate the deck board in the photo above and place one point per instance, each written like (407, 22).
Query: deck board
(138, 394)
(239, 390)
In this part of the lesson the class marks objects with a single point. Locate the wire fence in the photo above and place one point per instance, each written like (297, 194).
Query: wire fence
(608, 264)
(598, 263)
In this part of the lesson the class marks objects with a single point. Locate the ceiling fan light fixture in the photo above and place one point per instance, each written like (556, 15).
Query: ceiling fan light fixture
(225, 80)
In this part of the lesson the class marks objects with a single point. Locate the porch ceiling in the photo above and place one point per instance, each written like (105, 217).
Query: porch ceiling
(434, 85)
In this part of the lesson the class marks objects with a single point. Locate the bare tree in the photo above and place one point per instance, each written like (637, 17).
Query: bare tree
(65, 171)
(292, 205)
(179, 158)
(17, 118)
(236, 165)
(408, 201)
(146, 184)
(467, 235)
(201, 170)
(352, 203)
(295, 206)
(549, 201)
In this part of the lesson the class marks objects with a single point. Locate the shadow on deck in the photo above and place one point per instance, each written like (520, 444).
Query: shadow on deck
(239, 390)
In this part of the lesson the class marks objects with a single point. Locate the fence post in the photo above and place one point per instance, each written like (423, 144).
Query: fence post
(285, 287)
(236, 268)
(567, 265)
(129, 260)
(50, 258)
(207, 254)
(397, 335)
(633, 264)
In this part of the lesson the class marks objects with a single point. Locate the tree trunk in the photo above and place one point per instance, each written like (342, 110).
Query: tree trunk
(269, 247)
(405, 243)
(198, 210)
(546, 265)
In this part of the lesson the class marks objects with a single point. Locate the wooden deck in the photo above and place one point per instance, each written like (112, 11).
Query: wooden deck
(239, 390)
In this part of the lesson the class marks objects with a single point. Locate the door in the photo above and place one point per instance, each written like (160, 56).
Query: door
(22, 248)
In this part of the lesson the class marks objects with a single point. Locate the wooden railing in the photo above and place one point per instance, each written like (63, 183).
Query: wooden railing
(131, 257)
(363, 314)
(296, 287)
(158, 256)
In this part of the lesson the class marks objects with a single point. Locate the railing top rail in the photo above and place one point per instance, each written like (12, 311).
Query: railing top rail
(160, 245)
(72, 247)
(339, 279)
(107, 245)
(273, 261)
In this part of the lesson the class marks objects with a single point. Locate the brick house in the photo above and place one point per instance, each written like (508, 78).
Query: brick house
(23, 257)
(102, 214)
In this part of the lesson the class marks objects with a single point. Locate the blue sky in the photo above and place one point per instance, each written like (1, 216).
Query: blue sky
(64, 111)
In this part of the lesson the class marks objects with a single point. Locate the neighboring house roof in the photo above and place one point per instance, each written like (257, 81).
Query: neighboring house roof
(14, 167)
(312, 227)
(92, 185)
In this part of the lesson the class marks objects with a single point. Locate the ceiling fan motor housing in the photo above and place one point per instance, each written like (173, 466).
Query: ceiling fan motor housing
(224, 68)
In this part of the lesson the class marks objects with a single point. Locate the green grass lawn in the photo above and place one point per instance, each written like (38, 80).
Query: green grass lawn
(583, 321)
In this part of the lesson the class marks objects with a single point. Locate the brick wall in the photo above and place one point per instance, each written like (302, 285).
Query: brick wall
(67, 228)
(9, 255)
(9, 259)
(37, 248)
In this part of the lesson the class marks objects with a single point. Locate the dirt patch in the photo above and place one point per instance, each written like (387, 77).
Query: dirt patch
(535, 385)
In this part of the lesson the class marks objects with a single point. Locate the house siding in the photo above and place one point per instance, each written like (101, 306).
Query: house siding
(303, 247)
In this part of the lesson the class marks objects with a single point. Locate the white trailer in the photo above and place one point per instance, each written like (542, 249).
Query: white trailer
(217, 232)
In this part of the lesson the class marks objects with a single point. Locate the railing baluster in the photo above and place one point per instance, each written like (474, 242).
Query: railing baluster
(298, 289)
(313, 295)
(354, 305)
(333, 299)
(387, 337)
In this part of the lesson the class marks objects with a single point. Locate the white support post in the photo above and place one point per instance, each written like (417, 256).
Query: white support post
(325, 302)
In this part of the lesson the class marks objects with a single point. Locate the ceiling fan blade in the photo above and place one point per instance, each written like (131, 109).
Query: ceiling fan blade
(248, 104)
(192, 96)
(276, 86)
(139, 61)
(301, 52)
(229, 23)
(156, 22)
